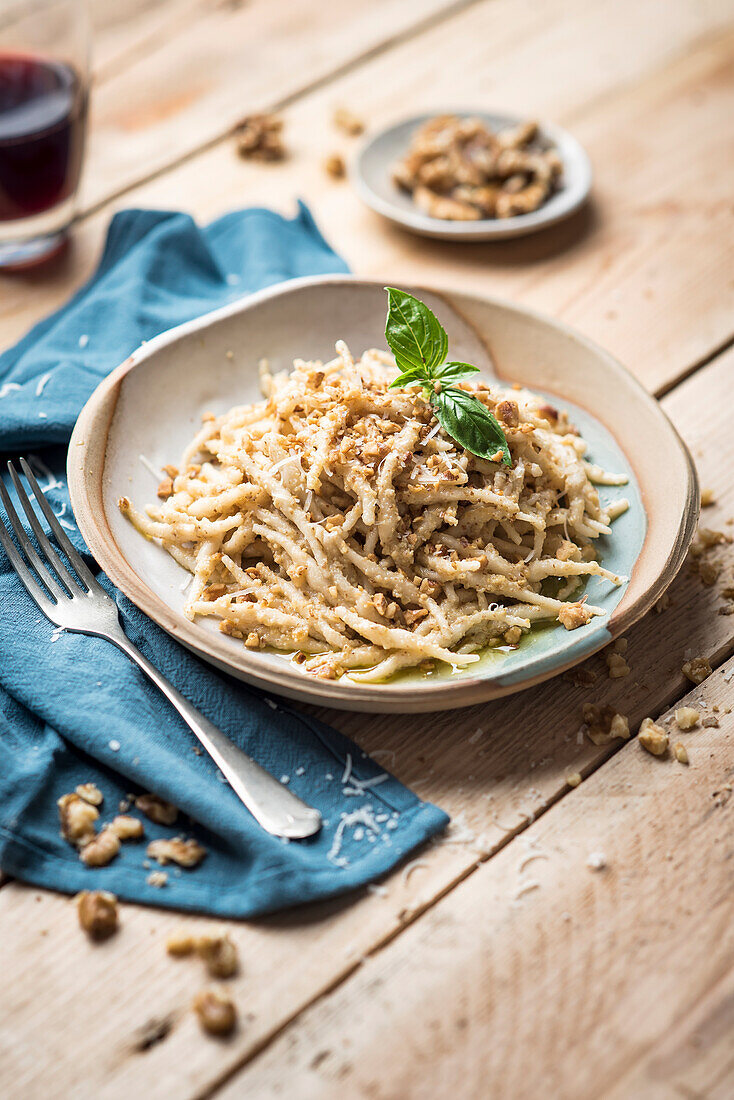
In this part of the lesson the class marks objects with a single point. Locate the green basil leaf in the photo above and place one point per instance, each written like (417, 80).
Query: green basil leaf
(470, 423)
(408, 378)
(416, 337)
(452, 372)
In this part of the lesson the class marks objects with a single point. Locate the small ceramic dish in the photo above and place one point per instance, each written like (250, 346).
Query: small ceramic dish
(152, 404)
(373, 181)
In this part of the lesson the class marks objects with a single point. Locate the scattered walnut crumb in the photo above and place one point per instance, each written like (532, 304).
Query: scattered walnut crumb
(216, 1012)
(697, 669)
(97, 913)
(102, 850)
(181, 944)
(617, 666)
(348, 122)
(603, 724)
(580, 677)
(573, 779)
(157, 878)
(259, 137)
(711, 722)
(219, 955)
(709, 572)
(335, 167)
(165, 488)
(157, 809)
(680, 752)
(686, 717)
(186, 853)
(707, 498)
(90, 793)
(77, 817)
(708, 537)
(127, 827)
(573, 615)
(652, 737)
(513, 635)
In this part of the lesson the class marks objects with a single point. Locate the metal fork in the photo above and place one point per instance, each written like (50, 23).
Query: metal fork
(80, 604)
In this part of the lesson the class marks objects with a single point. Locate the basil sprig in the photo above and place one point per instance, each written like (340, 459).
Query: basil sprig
(420, 346)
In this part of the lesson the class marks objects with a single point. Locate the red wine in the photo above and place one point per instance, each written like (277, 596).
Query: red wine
(43, 108)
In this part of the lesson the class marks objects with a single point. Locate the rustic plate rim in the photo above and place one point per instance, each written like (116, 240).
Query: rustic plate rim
(86, 488)
(485, 229)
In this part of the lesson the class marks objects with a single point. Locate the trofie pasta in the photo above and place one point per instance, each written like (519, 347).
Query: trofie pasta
(337, 521)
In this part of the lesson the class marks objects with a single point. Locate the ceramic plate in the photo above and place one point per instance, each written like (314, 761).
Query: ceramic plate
(152, 404)
(373, 182)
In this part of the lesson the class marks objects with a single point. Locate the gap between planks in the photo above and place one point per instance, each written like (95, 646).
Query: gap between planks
(288, 961)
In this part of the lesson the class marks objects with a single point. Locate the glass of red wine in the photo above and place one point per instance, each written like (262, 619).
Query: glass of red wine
(44, 94)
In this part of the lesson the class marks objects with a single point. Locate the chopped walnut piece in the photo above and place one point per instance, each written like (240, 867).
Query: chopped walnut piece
(157, 878)
(508, 413)
(709, 572)
(216, 1012)
(259, 137)
(513, 635)
(90, 794)
(157, 809)
(127, 827)
(165, 488)
(412, 618)
(252, 641)
(603, 724)
(652, 737)
(580, 677)
(707, 498)
(697, 669)
(335, 167)
(708, 538)
(617, 666)
(573, 615)
(710, 722)
(172, 471)
(681, 753)
(348, 122)
(181, 944)
(102, 850)
(97, 912)
(573, 779)
(186, 853)
(219, 955)
(78, 818)
(686, 717)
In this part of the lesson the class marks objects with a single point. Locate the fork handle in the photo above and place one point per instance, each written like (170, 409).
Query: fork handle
(276, 808)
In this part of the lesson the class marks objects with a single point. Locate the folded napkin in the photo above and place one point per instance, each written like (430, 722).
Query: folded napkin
(74, 709)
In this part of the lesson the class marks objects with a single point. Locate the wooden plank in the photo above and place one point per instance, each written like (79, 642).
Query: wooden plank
(694, 1059)
(492, 769)
(647, 269)
(198, 73)
(506, 991)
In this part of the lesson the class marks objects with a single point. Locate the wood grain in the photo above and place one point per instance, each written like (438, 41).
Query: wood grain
(493, 769)
(187, 78)
(545, 977)
(647, 269)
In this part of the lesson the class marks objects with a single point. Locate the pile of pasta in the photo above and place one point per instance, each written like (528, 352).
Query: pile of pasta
(335, 520)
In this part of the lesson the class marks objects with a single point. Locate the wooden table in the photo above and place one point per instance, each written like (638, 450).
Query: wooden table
(501, 965)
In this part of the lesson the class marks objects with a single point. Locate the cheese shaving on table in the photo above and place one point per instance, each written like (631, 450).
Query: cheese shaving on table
(335, 519)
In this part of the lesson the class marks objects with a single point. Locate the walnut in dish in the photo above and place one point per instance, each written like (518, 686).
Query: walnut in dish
(458, 169)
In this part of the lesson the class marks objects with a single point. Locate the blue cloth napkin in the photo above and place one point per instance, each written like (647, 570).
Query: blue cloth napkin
(74, 709)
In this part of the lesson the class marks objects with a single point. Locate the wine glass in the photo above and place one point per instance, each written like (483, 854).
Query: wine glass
(44, 94)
